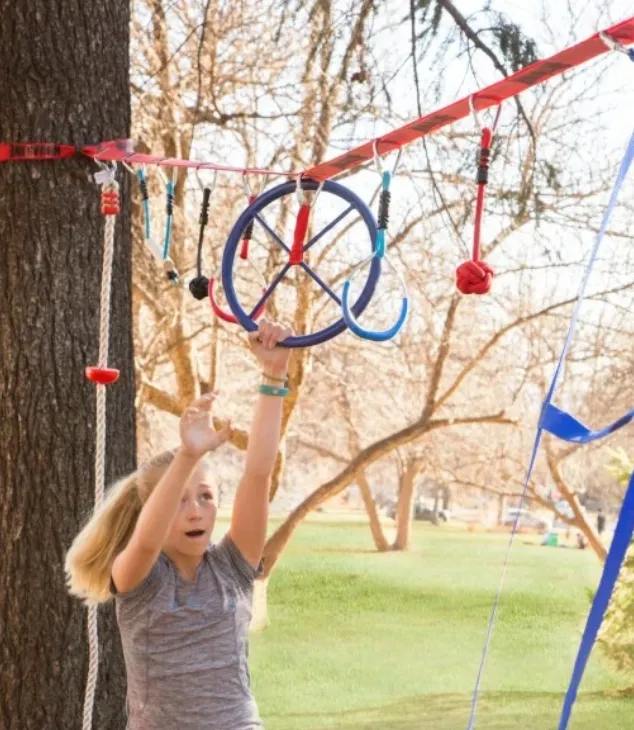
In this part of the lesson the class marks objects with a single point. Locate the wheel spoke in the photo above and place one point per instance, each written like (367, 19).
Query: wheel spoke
(271, 232)
(329, 227)
(270, 289)
(321, 282)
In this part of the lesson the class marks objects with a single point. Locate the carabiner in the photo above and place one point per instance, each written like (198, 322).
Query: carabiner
(474, 113)
(378, 163)
(301, 196)
(615, 45)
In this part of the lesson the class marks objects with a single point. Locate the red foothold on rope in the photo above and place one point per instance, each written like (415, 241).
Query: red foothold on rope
(474, 277)
(102, 376)
(110, 202)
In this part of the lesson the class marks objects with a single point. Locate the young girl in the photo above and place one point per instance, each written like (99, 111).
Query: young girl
(184, 606)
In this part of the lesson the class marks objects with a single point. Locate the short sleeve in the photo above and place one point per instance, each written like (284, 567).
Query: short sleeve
(228, 555)
(147, 588)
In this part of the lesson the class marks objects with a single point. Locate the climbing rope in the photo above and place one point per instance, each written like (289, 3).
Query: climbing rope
(475, 276)
(102, 376)
(199, 285)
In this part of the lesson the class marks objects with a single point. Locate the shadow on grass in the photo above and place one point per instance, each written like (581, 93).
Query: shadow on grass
(496, 711)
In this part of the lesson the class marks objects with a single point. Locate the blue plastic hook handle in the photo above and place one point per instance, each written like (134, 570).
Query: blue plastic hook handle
(374, 335)
(379, 254)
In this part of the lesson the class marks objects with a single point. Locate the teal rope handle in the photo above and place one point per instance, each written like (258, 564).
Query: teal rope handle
(169, 208)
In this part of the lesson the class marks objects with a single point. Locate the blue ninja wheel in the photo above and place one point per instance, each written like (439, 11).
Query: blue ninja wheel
(252, 214)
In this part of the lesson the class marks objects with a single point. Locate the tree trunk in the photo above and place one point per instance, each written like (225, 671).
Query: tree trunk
(580, 520)
(362, 461)
(436, 508)
(280, 538)
(501, 509)
(65, 79)
(380, 541)
(405, 505)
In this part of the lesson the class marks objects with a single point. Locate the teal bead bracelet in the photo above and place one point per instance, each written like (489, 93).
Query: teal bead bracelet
(273, 390)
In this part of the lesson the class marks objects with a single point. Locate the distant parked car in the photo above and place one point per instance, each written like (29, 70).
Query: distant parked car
(422, 513)
(527, 520)
(425, 514)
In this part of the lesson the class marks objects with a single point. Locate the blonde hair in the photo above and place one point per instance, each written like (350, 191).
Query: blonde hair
(89, 560)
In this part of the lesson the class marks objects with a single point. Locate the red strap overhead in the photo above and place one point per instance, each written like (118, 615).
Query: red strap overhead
(123, 151)
(491, 96)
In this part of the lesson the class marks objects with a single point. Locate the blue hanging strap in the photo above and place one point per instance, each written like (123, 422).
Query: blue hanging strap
(169, 211)
(616, 555)
(378, 253)
(568, 428)
(565, 426)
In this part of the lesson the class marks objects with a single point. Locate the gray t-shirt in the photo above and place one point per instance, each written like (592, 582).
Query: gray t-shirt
(186, 645)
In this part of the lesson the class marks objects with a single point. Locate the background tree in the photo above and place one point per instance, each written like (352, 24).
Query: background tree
(65, 80)
(286, 100)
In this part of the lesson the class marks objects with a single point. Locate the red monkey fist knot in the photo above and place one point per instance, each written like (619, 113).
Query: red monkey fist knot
(474, 277)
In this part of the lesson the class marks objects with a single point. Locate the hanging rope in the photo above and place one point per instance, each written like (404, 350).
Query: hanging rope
(102, 376)
(200, 283)
(296, 255)
(168, 264)
(476, 276)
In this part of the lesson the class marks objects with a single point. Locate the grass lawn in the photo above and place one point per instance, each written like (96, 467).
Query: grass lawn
(393, 641)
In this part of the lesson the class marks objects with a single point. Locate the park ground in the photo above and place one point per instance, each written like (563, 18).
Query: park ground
(361, 640)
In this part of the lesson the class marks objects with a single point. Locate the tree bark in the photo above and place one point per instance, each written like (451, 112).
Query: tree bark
(579, 518)
(405, 505)
(380, 541)
(65, 79)
(365, 458)
(501, 509)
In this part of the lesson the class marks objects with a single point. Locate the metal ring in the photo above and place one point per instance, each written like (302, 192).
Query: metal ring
(319, 189)
(212, 187)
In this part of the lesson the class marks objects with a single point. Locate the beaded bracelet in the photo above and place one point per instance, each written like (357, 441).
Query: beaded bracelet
(273, 378)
